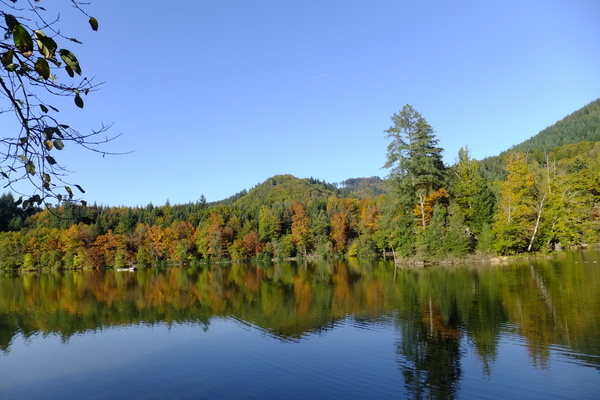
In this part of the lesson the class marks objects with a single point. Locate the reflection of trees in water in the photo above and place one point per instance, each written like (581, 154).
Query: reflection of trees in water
(548, 303)
(484, 319)
(429, 353)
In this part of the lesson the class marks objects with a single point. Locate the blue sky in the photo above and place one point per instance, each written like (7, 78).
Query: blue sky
(215, 97)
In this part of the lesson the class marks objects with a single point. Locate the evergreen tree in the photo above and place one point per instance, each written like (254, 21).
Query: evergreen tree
(471, 193)
(11, 216)
(467, 183)
(458, 241)
(414, 158)
(431, 238)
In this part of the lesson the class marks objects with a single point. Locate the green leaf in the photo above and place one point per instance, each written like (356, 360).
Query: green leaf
(49, 144)
(78, 101)
(80, 188)
(23, 40)
(7, 58)
(18, 202)
(11, 21)
(46, 45)
(47, 177)
(59, 144)
(5, 175)
(48, 132)
(24, 69)
(94, 23)
(71, 61)
(69, 71)
(42, 68)
(50, 160)
(44, 108)
(68, 189)
(24, 158)
(30, 168)
(12, 67)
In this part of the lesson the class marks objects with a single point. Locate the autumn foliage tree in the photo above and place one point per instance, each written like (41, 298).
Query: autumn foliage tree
(300, 227)
(516, 213)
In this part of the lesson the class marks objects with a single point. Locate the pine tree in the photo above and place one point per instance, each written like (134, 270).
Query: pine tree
(414, 158)
(468, 183)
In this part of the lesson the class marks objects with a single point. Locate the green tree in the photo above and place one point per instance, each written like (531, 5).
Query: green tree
(568, 215)
(269, 224)
(431, 238)
(37, 66)
(517, 209)
(458, 241)
(468, 185)
(11, 216)
(414, 158)
(397, 232)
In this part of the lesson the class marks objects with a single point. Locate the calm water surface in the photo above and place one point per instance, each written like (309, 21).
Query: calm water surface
(321, 331)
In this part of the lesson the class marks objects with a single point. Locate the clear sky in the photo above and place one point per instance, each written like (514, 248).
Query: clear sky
(213, 97)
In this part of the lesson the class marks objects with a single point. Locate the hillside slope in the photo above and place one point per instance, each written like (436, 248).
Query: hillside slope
(363, 187)
(284, 189)
(580, 126)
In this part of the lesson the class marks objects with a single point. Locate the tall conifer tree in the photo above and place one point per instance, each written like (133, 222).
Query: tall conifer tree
(414, 158)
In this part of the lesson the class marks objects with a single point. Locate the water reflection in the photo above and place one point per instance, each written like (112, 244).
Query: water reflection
(439, 313)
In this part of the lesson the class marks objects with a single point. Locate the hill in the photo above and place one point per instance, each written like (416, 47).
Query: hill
(363, 187)
(580, 126)
(284, 189)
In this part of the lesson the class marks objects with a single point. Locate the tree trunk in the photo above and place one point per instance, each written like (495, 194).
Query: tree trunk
(537, 223)
(422, 204)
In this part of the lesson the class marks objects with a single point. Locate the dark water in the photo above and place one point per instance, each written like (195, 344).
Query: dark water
(319, 331)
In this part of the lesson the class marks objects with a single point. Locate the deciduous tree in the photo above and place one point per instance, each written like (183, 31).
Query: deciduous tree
(516, 215)
(300, 227)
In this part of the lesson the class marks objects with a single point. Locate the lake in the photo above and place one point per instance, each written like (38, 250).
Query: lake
(330, 330)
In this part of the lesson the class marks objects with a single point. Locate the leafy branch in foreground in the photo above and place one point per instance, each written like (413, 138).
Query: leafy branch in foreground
(36, 69)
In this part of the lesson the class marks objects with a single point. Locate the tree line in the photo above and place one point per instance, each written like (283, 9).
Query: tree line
(424, 211)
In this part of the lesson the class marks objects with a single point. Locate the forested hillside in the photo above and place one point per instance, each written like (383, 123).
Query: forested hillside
(283, 189)
(521, 201)
(363, 187)
(581, 126)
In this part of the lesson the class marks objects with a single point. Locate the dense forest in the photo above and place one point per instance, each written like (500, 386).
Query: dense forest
(539, 196)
